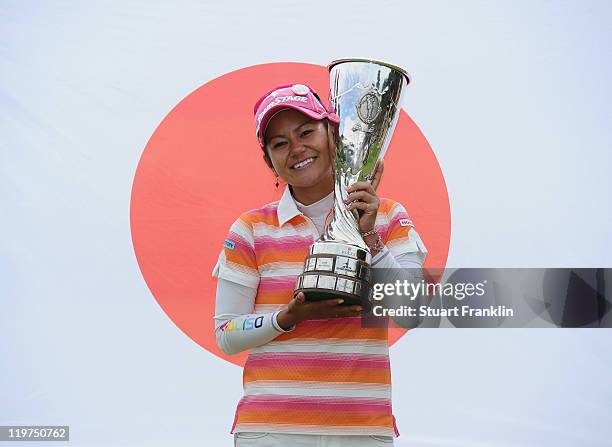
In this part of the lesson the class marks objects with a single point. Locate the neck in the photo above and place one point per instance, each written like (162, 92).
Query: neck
(312, 194)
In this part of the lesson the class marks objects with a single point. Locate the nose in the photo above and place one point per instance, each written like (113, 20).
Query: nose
(296, 149)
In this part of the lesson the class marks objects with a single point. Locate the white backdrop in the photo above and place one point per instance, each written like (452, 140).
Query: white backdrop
(514, 99)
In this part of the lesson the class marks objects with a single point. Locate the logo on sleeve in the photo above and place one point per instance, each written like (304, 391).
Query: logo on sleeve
(229, 244)
(242, 324)
(405, 222)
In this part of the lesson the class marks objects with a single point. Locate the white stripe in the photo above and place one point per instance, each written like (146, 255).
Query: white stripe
(240, 269)
(262, 229)
(281, 269)
(403, 245)
(381, 220)
(396, 209)
(336, 346)
(241, 228)
(318, 389)
(239, 274)
(267, 308)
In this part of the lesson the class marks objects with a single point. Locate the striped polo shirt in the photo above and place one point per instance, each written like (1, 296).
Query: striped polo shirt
(328, 376)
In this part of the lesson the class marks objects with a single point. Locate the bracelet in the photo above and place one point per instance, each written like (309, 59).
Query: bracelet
(378, 246)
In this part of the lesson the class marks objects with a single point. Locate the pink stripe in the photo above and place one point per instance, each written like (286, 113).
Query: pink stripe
(283, 243)
(315, 404)
(383, 231)
(319, 361)
(283, 283)
(241, 244)
(394, 222)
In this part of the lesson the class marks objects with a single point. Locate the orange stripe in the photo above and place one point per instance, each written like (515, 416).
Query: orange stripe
(277, 297)
(313, 418)
(266, 217)
(386, 205)
(267, 256)
(354, 332)
(398, 232)
(239, 257)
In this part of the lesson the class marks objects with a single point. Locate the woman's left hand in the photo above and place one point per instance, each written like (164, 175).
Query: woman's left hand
(362, 196)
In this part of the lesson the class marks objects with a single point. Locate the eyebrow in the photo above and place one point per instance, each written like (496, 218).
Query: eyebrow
(296, 128)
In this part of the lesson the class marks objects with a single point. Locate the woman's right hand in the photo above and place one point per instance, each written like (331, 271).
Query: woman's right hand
(299, 310)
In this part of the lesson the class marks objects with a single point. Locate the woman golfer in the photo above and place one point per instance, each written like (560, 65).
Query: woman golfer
(314, 376)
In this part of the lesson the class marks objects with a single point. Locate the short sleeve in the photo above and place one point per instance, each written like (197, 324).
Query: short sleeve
(237, 261)
(400, 235)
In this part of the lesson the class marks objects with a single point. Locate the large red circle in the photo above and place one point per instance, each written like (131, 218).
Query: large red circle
(203, 167)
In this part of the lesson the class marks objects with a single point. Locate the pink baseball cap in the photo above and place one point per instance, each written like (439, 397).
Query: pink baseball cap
(299, 97)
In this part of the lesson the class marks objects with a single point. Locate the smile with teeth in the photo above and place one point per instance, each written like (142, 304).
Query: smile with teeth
(303, 164)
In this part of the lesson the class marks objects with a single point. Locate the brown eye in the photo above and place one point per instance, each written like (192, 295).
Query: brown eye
(306, 133)
(279, 144)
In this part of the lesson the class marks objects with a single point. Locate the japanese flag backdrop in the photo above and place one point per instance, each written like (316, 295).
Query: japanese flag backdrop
(509, 100)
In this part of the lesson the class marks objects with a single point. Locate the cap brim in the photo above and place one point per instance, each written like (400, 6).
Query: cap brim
(273, 111)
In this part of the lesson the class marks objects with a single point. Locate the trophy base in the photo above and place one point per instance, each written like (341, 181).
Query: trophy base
(349, 299)
(336, 270)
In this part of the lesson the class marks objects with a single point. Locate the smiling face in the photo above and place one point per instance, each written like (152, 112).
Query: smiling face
(299, 149)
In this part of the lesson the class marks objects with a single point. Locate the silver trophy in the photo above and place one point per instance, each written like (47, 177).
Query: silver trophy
(367, 96)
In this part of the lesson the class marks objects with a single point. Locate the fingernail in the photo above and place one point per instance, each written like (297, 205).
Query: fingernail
(358, 308)
(340, 301)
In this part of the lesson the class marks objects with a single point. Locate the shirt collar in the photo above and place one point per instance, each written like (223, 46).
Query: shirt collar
(287, 209)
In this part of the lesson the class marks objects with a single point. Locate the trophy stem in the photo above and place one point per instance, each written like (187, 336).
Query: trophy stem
(344, 225)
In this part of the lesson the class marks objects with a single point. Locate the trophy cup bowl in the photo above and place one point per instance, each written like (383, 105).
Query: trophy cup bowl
(367, 96)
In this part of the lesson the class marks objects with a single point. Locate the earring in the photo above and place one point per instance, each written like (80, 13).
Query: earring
(277, 182)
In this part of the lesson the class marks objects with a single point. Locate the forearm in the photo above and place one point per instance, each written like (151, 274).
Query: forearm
(242, 332)
(237, 327)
